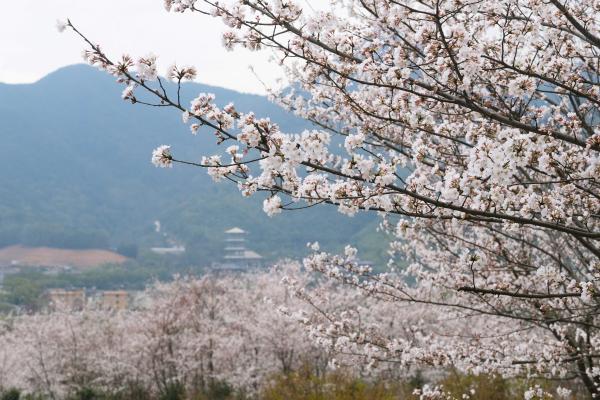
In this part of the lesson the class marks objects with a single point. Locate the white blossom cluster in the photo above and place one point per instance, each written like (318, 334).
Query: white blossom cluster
(471, 127)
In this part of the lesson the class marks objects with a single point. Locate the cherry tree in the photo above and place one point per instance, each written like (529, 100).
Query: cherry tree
(194, 333)
(471, 127)
(53, 355)
(187, 335)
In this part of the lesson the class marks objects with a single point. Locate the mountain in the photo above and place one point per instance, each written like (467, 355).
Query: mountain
(76, 173)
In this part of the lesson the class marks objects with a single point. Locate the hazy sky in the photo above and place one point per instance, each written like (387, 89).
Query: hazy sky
(31, 47)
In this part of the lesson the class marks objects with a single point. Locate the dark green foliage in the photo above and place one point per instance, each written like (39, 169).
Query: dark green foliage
(86, 394)
(219, 390)
(22, 290)
(11, 394)
(51, 235)
(417, 380)
(128, 250)
(173, 391)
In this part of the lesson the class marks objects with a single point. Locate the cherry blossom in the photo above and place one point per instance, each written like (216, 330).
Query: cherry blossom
(161, 157)
(471, 128)
(61, 25)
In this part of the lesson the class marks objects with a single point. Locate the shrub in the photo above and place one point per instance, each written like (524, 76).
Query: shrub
(335, 386)
(86, 393)
(11, 394)
(173, 391)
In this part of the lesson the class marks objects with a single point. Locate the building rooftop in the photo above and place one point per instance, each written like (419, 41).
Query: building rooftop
(168, 250)
(235, 230)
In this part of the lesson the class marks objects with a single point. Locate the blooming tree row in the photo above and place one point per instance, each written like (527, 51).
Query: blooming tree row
(193, 333)
(470, 126)
(190, 333)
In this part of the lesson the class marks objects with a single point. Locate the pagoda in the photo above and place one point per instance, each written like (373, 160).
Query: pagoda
(236, 255)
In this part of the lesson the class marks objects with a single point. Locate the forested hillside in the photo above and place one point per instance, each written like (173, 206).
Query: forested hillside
(76, 173)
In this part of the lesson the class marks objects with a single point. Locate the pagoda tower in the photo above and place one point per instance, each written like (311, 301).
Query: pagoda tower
(236, 255)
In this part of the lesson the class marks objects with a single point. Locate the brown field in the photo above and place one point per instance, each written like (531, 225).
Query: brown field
(49, 257)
